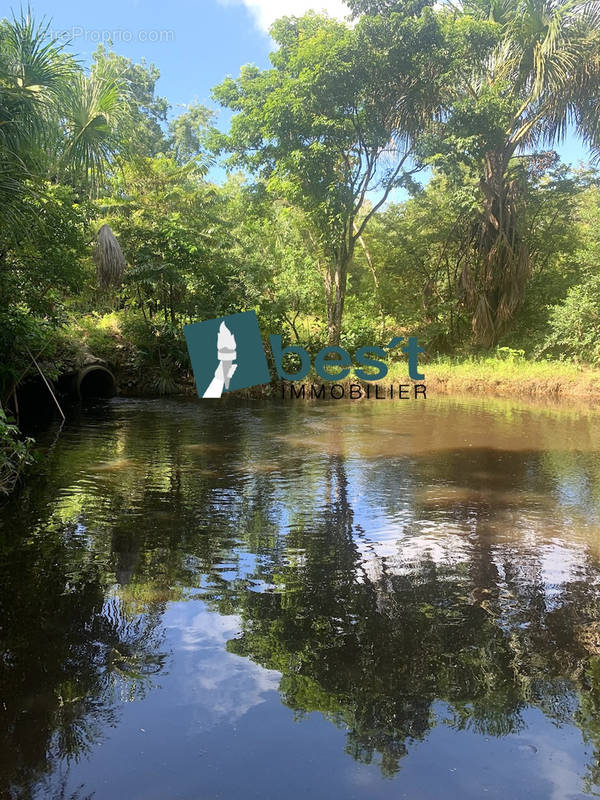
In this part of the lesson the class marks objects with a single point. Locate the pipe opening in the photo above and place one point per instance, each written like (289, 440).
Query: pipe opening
(96, 381)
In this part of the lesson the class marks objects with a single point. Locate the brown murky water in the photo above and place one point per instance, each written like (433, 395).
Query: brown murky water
(359, 600)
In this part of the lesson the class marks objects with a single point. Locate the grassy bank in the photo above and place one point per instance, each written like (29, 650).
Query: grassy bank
(150, 358)
(506, 377)
(471, 376)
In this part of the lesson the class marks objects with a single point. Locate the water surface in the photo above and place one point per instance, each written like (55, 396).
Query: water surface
(361, 600)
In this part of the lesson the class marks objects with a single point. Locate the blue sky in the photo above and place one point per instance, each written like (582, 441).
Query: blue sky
(195, 43)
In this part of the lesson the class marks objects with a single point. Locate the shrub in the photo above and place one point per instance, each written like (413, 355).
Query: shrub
(160, 356)
(16, 454)
(575, 324)
(361, 327)
(510, 354)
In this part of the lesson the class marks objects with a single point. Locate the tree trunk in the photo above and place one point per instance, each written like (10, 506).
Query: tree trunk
(375, 280)
(494, 289)
(336, 278)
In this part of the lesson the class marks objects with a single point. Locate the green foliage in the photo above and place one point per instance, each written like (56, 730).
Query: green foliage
(277, 269)
(540, 73)
(361, 326)
(100, 336)
(510, 354)
(159, 354)
(141, 130)
(575, 323)
(170, 225)
(34, 73)
(189, 134)
(418, 251)
(324, 125)
(57, 123)
(39, 268)
(18, 330)
(150, 355)
(15, 454)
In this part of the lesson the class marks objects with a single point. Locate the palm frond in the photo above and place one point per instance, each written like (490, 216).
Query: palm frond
(109, 258)
(92, 113)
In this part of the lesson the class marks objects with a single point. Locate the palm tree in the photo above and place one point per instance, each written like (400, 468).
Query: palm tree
(93, 107)
(33, 73)
(55, 122)
(543, 76)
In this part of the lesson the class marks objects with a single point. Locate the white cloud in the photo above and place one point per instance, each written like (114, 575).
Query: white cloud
(218, 687)
(265, 12)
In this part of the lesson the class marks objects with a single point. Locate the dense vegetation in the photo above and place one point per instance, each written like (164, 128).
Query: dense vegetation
(394, 174)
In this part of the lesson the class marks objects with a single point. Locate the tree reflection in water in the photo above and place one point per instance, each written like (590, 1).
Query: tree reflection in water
(383, 590)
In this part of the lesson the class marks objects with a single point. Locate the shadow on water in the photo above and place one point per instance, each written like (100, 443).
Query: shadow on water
(423, 587)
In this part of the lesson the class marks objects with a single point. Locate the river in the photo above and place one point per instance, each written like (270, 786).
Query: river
(372, 599)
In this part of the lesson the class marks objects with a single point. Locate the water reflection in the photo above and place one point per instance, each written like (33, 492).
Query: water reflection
(423, 575)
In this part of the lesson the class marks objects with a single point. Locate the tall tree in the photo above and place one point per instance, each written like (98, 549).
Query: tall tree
(333, 124)
(540, 75)
(33, 75)
(58, 141)
(189, 132)
(56, 123)
(142, 129)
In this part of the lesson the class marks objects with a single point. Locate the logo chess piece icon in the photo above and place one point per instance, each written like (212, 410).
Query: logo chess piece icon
(226, 354)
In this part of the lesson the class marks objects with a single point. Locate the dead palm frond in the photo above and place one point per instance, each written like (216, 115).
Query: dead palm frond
(109, 259)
